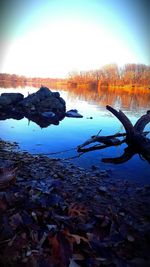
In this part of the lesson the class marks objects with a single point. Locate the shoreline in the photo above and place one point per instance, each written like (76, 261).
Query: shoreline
(80, 212)
(85, 85)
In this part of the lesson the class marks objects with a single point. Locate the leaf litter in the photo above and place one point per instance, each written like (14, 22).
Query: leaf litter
(55, 214)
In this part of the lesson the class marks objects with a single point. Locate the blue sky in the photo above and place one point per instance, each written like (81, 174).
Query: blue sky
(51, 38)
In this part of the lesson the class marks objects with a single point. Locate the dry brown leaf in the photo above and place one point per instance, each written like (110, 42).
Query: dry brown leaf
(76, 210)
(79, 238)
(7, 176)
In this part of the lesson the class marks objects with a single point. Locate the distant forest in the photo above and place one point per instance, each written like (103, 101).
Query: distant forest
(9, 80)
(129, 74)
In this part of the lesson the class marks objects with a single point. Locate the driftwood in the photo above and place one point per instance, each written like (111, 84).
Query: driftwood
(134, 137)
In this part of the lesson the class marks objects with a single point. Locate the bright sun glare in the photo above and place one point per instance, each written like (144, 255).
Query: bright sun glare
(58, 48)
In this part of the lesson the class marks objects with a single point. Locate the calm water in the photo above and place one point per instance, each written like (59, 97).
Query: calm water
(72, 132)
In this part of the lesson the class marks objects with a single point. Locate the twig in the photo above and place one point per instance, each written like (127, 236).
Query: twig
(99, 132)
(55, 153)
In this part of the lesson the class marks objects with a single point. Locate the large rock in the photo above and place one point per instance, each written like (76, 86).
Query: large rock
(36, 98)
(10, 99)
(44, 101)
(43, 107)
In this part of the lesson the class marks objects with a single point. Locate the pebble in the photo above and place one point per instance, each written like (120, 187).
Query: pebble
(94, 167)
(104, 175)
(130, 238)
(81, 169)
(102, 189)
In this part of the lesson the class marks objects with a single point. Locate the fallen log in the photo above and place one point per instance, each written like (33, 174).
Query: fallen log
(134, 137)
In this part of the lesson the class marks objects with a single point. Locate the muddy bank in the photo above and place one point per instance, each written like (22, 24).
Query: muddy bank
(57, 215)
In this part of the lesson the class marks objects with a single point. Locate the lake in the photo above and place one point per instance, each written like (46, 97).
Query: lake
(72, 132)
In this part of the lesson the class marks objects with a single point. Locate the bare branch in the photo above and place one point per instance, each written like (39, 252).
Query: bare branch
(124, 120)
(135, 138)
(123, 158)
(142, 122)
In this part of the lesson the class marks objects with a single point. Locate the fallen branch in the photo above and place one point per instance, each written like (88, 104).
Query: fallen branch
(134, 137)
(107, 140)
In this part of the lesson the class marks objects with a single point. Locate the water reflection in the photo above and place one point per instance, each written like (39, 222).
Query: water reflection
(72, 132)
(39, 120)
(134, 137)
(130, 99)
(37, 107)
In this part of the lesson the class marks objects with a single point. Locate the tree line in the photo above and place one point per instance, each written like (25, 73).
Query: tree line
(13, 78)
(112, 74)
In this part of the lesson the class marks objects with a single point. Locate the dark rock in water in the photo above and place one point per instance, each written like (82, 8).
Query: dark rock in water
(42, 105)
(36, 98)
(48, 114)
(73, 110)
(11, 115)
(43, 92)
(56, 94)
(9, 99)
(53, 104)
(44, 101)
(73, 113)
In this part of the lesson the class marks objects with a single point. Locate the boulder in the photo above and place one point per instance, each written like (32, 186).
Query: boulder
(36, 98)
(4, 101)
(43, 107)
(44, 101)
(10, 99)
(73, 113)
(53, 104)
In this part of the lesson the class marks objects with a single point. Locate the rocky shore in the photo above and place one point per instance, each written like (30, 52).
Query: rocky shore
(55, 214)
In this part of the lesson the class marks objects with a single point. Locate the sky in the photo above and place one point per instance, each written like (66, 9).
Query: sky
(51, 38)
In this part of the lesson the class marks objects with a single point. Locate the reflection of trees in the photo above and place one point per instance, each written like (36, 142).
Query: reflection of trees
(95, 85)
(122, 97)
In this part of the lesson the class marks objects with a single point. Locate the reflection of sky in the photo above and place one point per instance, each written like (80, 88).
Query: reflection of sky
(53, 37)
(72, 132)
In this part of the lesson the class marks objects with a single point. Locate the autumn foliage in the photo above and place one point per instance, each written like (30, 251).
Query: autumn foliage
(129, 74)
(111, 74)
